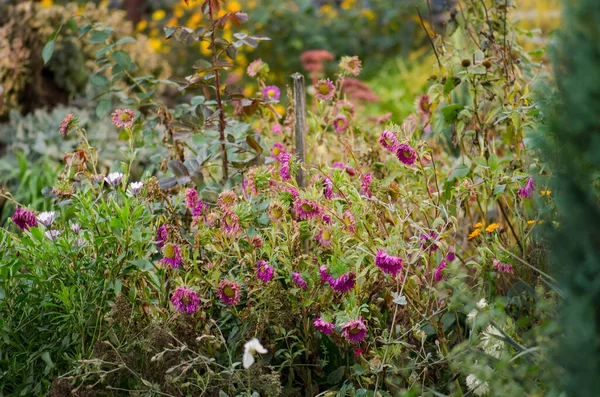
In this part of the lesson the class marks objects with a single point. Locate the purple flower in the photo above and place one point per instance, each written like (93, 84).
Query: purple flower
(327, 219)
(277, 149)
(503, 267)
(52, 234)
(289, 194)
(325, 237)
(340, 123)
(114, 179)
(307, 209)
(162, 234)
(264, 271)
(366, 184)
(271, 92)
(450, 255)
(388, 140)
(388, 263)
(76, 228)
(406, 154)
(171, 255)
(343, 283)
(67, 124)
(230, 223)
(24, 219)
(429, 241)
(229, 292)
(46, 218)
(135, 188)
(325, 90)
(191, 198)
(323, 326)
(284, 158)
(299, 280)
(324, 274)
(327, 188)
(185, 300)
(438, 271)
(277, 129)
(123, 118)
(349, 169)
(354, 331)
(527, 191)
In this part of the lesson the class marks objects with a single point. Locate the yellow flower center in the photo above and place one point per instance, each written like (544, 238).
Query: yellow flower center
(271, 93)
(324, 89)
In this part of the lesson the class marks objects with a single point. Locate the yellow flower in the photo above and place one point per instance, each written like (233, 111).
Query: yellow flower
(141, 26)
(155, 44)
(492, 227)
(475, 233)
(158, 15)
(328, 10)
(178, 12)
(546, 192)
(531, 222)
(47, 3)
(248, 91)
(348, 4)
(233, 6)
(280, 109)
(369, 14)
(204, 47)
(479, 225)
(195, 19)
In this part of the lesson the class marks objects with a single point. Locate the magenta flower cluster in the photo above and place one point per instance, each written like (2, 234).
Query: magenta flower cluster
(388, 263)
(185, 300)
(264, 271)
(527, 191)
(24, 219)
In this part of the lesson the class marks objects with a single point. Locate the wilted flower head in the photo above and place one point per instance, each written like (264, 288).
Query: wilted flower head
(343, 283)
(366, 184)
(227, 199)
(271, 92)
(256, 67)
(429, 241)
(185, 300)
(325, 237)
(323, 326)
(123, 118)
(135, 188)
(388, 263)
(349, 222)
(162, 234)
(388, 141)
(52, 234)
(229, 292)
(325, 90)
(264, 271)
(324, 274)
(256, 241)
(527, 191)
(46, 218)
(503, 267)
(307, 209)
(252, 347)
(423, 105)
(438, 271)
(354, 331)
(67, 124)
(276, 211)
(230, 223)
(114, 179)
(327, 188)
(340, 123)
(350, 65)
(344, 107)
(406, 154)
(450, 255)
(171, 255)
(299, 280)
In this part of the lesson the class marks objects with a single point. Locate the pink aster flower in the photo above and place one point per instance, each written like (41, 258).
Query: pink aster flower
(185, 300)
(307, 209)
(406, 154)
(340, 123)
(191, 198)
(162, 234)
(325, 89)
(325, 237)
(350, 65)
(388, 140)
(67, 124)
(299, 280)
(324, 274)
(230, 223)
(366, 184)
(123, 118)
(229, 292)
(171, 255)
(388, 263)
(256, 67)
(503, 267)
(450, 255)
(277, 149)
(527, 191)
(349, 222)
(327, 219)
(423, 105)
(327, 188)
(343, 283)
(271, 92)
(284, 170)
(24, 219)
(323, 326)
(277, 129)
(227, 199)
(264, 271)
(429, 241)
(354, 331)
(438, 271)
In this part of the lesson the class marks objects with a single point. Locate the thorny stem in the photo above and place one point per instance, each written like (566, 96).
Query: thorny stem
(218, 95)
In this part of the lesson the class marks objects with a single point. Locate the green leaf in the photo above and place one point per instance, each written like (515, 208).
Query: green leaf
(499, 189)
(451, 84)
(99, 80)
(99, 36)
(121, 58)
(459, 172)
(336, 376)
(451, 112)
(48, 51)
(125, 40)
(103, 108)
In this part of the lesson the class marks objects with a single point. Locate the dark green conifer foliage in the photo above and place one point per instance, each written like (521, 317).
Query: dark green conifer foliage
(573, 148)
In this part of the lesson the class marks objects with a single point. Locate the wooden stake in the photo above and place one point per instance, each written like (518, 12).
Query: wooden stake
(300, 125)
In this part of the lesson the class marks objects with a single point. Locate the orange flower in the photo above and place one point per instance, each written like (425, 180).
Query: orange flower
(492, 227)
(475, 233)
(479, 225)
